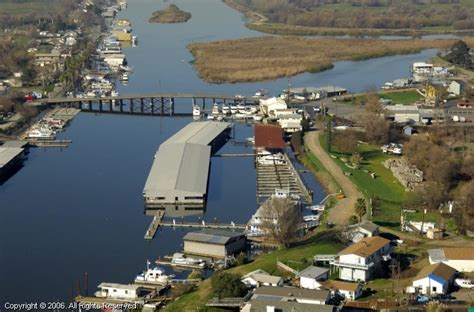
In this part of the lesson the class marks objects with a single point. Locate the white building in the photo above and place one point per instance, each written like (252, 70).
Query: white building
(459, 258)
(360, 261)
(311, 277)
(309, 296)
(433, 279)
(403, 113)
(269, 106)
(455, 87)
(360, 231)
(259, 278)
(118, 291)
(290, 123)
(346, 290)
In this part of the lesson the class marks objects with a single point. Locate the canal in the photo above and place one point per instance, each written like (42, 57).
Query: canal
(80, 209)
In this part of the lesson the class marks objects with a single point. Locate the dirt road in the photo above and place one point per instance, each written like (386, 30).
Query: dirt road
(344, 208)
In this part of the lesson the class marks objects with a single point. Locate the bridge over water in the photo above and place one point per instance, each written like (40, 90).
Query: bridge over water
(155, 104)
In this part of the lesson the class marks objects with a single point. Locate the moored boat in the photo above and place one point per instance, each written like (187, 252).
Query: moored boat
(154, 275)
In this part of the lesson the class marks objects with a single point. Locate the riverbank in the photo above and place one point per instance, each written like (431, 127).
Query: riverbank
(172, 14)
(266, 58)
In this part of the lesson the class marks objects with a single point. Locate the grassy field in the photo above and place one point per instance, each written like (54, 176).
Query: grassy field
(388, 194)
(322, 243)
(263, 58)
(403, 97)
(26, 7)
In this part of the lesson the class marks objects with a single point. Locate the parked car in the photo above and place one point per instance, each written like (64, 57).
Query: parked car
(464, 283)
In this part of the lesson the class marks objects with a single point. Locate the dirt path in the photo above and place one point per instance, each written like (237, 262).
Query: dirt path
(344, 208)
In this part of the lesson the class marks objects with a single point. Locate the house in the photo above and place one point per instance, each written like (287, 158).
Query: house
(362, 260)
(269, 106)
(214, 243)
(459, 258)
(311, 276)
(259, 278)
(290, 123)
(309, 296)
(262, 305)
(359, 231)
(346, 290)
(433, 280)
(118, 291)
(456, 87)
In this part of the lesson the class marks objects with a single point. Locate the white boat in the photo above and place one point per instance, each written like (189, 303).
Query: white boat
(272, 159)
(220, 118)
(233, 109)
(215, 109)
(251, 140)
(154, 275)
(210, 117)
(311, 218)
(180, 259)
(240, 107)
(40, 133)
(197, 111)
(114, 93)
(261, 93)
(316, 208)
(258, 117)
(124, 77)
(240, 116)
(225, 109)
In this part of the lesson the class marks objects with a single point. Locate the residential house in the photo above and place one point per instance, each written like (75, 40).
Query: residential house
(290, 123)
(362, 260)
(346, 290)
(269, 106)
(119, 291)
(363, 230)
(459, 258)
(433, 280)
(214, 243)
(309, 296)
(311, 277)
(265, 305)
(259, 278)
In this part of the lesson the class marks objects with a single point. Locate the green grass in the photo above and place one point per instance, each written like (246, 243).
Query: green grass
(26, 7)
(385, 188)
(402, 97)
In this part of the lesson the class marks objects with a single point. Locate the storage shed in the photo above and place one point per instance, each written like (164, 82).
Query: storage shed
(214, 243)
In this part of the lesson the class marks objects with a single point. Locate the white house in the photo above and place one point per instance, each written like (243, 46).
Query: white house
(456, 87)
(360, 231)
(459, 258)
(433, 279)
(290, 123)
(259, 278)
(118, 291)
(360, 261)
(270, 105)
(347, 290)
(311, 277)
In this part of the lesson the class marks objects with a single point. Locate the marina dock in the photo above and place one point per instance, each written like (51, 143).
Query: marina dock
(204, 225)
(155, 223)
(49, 143)
(280, 176)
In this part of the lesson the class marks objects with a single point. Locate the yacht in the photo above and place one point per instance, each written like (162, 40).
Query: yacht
(215, 109)
(196, 111)
(154, 275)
(180, 259)
(241, 107)
(233, 109)
(261, 93)
(124, 77)
(225, 109)
(258, 117)
(114, 93)
(210, 117)
(40, 133)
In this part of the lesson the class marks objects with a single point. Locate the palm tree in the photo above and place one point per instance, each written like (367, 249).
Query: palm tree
(360, 208)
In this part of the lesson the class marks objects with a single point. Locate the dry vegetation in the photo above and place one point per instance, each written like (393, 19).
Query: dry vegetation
(171, 14)
(263, 58)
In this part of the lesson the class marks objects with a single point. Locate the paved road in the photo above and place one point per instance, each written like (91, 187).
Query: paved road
(344, 208)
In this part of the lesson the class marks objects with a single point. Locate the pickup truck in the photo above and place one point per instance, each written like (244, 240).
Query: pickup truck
(464, 283)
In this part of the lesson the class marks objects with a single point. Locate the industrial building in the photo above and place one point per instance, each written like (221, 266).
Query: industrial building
(179, 174)
(214, 243)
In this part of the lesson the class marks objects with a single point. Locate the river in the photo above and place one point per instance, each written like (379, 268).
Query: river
(80, 209)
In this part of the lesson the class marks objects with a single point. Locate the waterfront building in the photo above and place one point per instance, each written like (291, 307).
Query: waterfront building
(459, 258)
(179, 174)
(260, 278)
(346, 290)
(434, 279)
(267, 305)
(301, 295)
(119, 291)
(311, 277)
(215, 243)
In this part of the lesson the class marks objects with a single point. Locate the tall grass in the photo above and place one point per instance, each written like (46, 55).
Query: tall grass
(264, 58)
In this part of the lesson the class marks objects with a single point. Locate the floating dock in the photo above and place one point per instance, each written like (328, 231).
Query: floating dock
(204, 225)
(155, 223)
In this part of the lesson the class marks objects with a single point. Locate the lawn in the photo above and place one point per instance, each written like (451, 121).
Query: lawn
(386, 192)
(26, 7)
(317, 168)
(321, 243)
(402, 97)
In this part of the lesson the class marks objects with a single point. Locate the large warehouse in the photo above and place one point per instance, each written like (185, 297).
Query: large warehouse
(214, 243)
(179, 173)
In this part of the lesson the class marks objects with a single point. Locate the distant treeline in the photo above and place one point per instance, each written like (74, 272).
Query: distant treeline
(385, 14)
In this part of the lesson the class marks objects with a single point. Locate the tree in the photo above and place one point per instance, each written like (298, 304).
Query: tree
(282, 219)
(459, 54)
(360, 208)
(228, 285)
(345, 142)
(376, 128)
(373, 105)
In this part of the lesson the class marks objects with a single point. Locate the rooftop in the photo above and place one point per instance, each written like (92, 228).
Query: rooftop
(318, 89)
(285, 306)
(313, 272)
(369, 226)
(269, 136)
(438, 269)
(119, 286)
(212, 236)
(290, 293)
(366, 247)
(451, 253)
(8, 153)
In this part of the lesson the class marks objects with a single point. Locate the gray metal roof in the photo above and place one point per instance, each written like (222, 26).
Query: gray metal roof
(7, 154)
(436, 255)
(16, 143)
(290, 293)
(261, 305)
(313, 272)
(119, 286)
(369, 226)
(211, 236)
(181, 164)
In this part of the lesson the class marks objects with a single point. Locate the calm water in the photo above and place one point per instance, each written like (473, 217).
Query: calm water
(80, 209)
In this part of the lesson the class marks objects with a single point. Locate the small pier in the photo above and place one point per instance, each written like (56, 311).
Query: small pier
(203, 225)
(280, 176)
(155, 223)
(49, 143)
